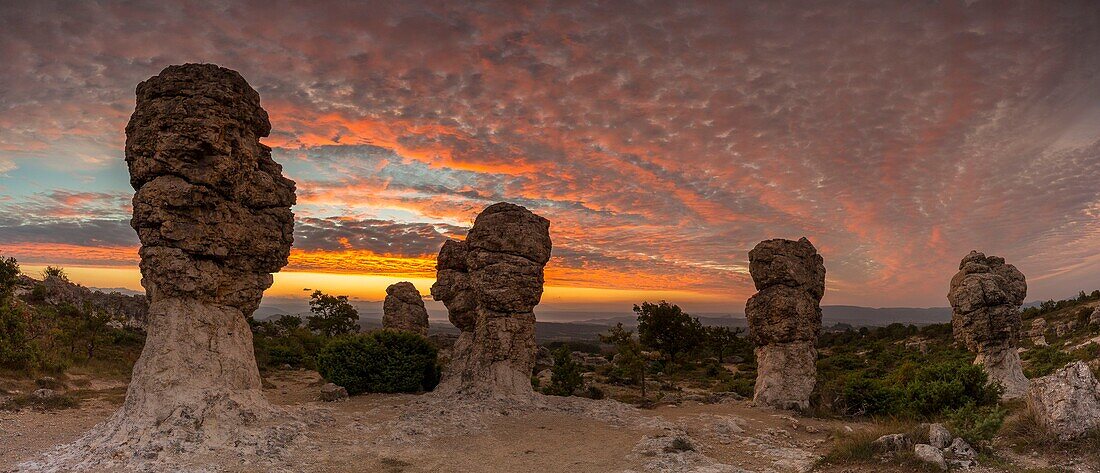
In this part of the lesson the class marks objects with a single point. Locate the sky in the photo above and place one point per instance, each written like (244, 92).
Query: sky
(663, 140)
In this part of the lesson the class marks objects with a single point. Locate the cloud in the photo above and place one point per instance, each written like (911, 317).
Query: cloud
(662, 141)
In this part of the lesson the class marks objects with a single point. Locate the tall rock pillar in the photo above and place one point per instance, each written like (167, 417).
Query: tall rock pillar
(785, 320)
(491, 284)
(985, 297)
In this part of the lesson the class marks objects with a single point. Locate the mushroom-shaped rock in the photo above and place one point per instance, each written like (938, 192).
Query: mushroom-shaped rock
(985, 297)
(491, 284)
(404, 309)
(212, 213)
(785, 320)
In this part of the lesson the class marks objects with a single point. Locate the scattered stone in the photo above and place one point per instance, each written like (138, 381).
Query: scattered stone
(491, 284)
(930, 455)
(1067, 401)
(961, 449)
(49, 382)
(1094, 318)
(785, 320)
(892, 443)
(985, 297)
(939, 436)
(544, 377)
(404, 309)
(331, 392)
(44, 393)
(1065, 327)
(544, 358)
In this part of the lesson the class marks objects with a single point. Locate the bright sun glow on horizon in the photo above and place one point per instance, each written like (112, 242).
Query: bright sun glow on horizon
(366, 287)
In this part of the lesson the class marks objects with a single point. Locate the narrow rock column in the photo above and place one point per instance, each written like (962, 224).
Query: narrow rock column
(785, 320)
(212, 212)
(404, 309)
(985, 298)
(491, 284)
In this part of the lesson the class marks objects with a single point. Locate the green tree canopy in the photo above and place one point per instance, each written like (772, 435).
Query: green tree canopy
(666, 328)
(332, 315)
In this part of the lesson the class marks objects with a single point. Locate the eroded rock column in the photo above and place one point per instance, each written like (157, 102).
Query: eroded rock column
(785, 320)
(985, 298)
(212, 212)
(404, 309)
(491, 284)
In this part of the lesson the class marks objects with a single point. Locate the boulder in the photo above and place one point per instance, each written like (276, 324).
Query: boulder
(960, 449)
(785, 320)
(930, 455)
(331, 392)
(1094, 317)
(892, 443)
(404, 309)
(985, 298)
(490, 284)
(44, 393)
(939, 436)
(1067, 401)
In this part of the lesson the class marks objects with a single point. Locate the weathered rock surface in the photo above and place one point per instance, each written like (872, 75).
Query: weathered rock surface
(331, 392)
(939, 436)
(930, 455)
(1094, 317)
(1067, 401)
(1037, 332)
(785, 320)
(490, 284)
(212, 212)
(404, 309)
(892, 443)
(985, 296)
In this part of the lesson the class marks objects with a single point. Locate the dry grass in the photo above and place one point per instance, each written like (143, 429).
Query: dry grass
(24, 401)
(1026, 434)
(856, 447)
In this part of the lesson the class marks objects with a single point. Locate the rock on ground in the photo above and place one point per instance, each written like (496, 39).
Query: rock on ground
(930, 455)
(785, 320)
(985, 297)
(1067, 401)
(404, 309)
(212, 212)
(939, 436)
(331, 392)
(491, 284)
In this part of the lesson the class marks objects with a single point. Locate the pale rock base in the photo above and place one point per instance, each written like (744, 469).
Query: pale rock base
(786, 375)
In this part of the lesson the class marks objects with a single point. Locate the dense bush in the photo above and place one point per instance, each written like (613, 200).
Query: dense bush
(1042, 361)
(384, 361)
(565, 375)
(976, 424)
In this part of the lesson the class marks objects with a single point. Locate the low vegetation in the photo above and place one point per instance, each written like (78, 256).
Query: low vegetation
(384, 361)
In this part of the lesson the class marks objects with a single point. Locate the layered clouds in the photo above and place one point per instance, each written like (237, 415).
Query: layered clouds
(662, 139)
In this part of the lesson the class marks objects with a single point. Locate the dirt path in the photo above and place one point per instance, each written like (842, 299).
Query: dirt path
(402, 433)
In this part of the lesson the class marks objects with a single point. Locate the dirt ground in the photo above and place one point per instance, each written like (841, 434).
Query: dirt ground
(407, 433)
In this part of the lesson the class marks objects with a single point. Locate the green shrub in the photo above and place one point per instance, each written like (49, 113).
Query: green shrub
(941, 387)
(565, 374)
(385, 361)
(1042, 361)
(976, 424)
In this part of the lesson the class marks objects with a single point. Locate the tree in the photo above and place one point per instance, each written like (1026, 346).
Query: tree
(666, 328)
(288, 323)
(629, 357)
(723, 340)
(55, 272)
(565, 375)
(9, 277)
(332, 315)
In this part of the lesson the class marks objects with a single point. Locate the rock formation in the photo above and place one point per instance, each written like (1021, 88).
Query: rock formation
(404, 309)
(1067, 401)
(212, 212)
(490, 284)
(785, 320)
(1037, 332)
(985, 297)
